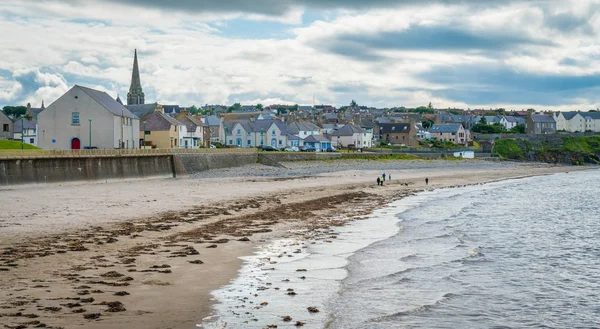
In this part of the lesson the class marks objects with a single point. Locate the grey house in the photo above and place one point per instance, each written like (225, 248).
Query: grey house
(540, 124)
(7, 126)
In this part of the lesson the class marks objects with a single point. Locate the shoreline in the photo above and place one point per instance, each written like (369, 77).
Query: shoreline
(178, 296)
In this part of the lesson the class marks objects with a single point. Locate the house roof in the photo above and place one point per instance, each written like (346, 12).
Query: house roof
(212, 120)
(190, 122)
(296, 127)
(569, 115)
(316, 139)
(543, 118)
(158, 121)
(349, 130)
(109, 103)
(239, 116)
(29, 124)
(391, 128)
(141, 110)
(510, 118)
(445, 128)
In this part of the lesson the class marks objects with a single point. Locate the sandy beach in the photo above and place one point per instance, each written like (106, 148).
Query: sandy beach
(147, 253)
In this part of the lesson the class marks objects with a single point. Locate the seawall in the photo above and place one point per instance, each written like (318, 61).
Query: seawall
(55, 170)
(41, 170)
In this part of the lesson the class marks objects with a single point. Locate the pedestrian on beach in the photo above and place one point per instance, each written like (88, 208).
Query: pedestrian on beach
(382, 180)
(383, 177)
(426, 181)
(378, 181)
(389, 177)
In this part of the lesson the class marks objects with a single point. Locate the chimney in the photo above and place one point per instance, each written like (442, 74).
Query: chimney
(159, 108)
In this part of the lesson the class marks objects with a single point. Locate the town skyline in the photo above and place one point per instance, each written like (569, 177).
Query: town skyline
(512, 54)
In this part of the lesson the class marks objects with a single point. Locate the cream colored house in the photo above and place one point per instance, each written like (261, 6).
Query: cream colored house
(85, 117)
(161, 131)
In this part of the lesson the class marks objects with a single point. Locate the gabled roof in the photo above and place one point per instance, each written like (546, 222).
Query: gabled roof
(445, 128)
(190, 122)
(212, 120)
(543, 118)
(510, 118)
(349, 130)
(296, 127)
(569, 115)
(142, 110)
(29, 124)
(109, 103)
(316, 139)
(158, 121)
(394, 128)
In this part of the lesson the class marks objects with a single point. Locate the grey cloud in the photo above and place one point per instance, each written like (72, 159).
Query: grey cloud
(280, 7)
(569, 23)
(437, 38)
(479, 84)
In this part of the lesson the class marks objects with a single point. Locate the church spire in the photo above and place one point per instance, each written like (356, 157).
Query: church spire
(135, 95)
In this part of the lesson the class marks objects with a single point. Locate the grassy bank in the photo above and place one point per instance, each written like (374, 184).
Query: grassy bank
(15, 145)
(575, 150)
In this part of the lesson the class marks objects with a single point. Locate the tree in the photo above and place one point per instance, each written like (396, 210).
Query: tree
(353, 103)
(518, 129)
(427, 123)
(259, 106)
(430, 106)
(234, 107)
(482, 121)
(293, 108)
(194, 110)
(15, 111)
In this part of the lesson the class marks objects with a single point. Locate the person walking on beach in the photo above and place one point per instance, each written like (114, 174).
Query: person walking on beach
(426, 181)
(389, 177)
(382, 180)
(383, 177)
(378, 181)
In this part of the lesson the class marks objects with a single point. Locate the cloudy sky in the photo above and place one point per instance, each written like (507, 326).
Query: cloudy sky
(383, 53)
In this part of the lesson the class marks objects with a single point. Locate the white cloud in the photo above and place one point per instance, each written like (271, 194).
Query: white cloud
(186, 59)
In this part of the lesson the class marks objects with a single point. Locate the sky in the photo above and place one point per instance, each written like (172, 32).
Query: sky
(514, 54)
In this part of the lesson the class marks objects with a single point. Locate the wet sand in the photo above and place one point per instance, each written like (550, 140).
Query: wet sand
(147, 253)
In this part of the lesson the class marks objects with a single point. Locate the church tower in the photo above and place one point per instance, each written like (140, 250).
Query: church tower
(135, 94)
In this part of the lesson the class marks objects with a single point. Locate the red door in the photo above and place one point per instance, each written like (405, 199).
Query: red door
(75, 144)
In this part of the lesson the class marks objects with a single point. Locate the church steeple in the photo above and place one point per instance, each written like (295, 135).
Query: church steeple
(135, 94)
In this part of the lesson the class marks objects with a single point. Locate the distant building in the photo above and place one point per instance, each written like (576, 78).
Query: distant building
(351, 135)
(452, 132)
(83, 113)
(398, 133)
(540, 124)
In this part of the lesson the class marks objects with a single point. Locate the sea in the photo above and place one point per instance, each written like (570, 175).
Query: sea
(522, 253)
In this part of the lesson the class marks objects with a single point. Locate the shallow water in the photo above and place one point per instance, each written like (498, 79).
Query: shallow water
(514, 254)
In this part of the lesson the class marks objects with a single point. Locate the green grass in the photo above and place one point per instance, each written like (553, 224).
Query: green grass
(586, 145)
(15, 145)
(508, 148)
(382, 157)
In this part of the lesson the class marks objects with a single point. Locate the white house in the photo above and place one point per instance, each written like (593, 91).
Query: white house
(85, 117)
(302, 129)
(259, 133)
(577, 121)
(351, 134)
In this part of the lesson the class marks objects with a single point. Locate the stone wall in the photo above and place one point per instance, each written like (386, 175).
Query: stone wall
(54, 170)
(199, 162)
(276, 157)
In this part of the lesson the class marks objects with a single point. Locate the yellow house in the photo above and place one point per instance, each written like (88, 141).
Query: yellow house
(158, 130)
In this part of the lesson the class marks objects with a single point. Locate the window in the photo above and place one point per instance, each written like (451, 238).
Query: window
(5, 127)
(231, 142)
(280, 142)
(273, 132)
(248, 142)
(249, 134)
(239, 131)
(262, 142)
(75, 118)
(146, 132)
(31, 141)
